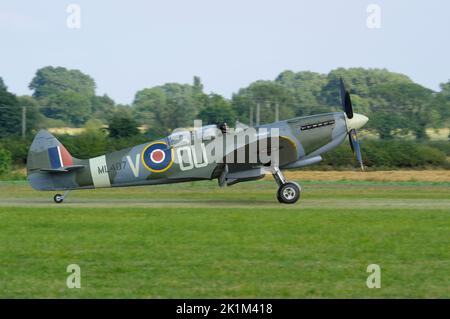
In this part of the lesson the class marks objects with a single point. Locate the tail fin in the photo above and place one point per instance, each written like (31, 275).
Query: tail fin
(47, 153)
(49, 164)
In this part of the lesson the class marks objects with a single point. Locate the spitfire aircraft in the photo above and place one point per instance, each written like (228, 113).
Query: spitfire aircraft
(205, 153)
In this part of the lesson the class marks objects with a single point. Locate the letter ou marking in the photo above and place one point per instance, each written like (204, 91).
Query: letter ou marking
(188, 153)
(182, 151)
(205, 158)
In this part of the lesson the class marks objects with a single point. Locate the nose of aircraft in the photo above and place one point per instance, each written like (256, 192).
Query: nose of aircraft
(356, 122)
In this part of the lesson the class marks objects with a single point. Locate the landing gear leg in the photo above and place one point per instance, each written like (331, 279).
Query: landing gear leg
(58, 198)
(288, 192)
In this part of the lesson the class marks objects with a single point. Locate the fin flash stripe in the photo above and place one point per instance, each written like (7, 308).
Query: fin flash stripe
(59, 157)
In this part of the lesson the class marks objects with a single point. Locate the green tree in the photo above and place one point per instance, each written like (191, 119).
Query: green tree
(306, 88)
(122, 124)
(200, 99)
(399, 108)
(359, 82)
(442, 104)
(10, 113)
(103, 107)
(150, 108)
(197, 86)
(53, 80)
(68, 106)
(166, 107)
(2, 85)
(33, 115)
(217, 110)
(181, 105)
(267, 94)
(64, 94)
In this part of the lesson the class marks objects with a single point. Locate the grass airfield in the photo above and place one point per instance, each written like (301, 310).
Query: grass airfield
(197, 240)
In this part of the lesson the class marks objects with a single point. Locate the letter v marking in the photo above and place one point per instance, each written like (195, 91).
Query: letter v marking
(134, 167)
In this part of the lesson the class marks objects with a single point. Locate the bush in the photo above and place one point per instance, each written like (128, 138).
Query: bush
(17, 147)
(338, 158)
(443, 146)
(5, 161)
(429, 156)
(402, 154)
(93, 143)
(115, 144)
(388, 154)
(375, 154)
(122, 125)
(88, 144)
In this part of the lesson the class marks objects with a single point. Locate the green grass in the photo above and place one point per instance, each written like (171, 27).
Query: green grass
(196, 240)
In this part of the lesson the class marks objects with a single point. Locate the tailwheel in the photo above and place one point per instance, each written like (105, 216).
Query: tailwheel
(58, 198)
(288, 193)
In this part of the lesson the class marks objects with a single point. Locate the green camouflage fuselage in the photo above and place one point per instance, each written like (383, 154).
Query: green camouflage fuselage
(164, 161)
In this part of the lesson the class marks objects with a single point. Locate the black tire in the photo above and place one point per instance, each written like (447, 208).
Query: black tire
(278, 196)
(58, 198)
(289, 193)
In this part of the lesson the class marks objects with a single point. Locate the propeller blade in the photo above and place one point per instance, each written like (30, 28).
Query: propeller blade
(342, 87)
(346, 100)
(351, 144)
(354, 143)
(348, 108)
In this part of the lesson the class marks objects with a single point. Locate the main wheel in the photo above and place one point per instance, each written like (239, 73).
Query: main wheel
(288, 193)
(58, 198)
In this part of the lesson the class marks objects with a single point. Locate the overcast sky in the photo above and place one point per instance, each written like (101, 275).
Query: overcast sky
(129, 45)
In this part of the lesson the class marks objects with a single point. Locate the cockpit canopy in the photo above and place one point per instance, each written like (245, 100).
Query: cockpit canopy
(186, 137)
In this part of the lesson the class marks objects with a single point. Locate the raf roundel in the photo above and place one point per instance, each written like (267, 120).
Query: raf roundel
(157, 157)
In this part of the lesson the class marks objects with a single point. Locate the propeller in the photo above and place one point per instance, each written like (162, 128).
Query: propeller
(346, 101)
(352, 136)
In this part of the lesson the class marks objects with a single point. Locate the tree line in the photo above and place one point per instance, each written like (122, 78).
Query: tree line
(377, 154)
(61, 97)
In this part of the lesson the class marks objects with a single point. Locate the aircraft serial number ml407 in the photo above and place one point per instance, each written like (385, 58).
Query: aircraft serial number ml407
(114, 167)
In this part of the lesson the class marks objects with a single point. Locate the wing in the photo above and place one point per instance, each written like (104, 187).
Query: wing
(261, 152)
(250, 161)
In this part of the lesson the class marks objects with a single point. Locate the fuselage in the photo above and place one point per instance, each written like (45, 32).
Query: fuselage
(166, 161)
